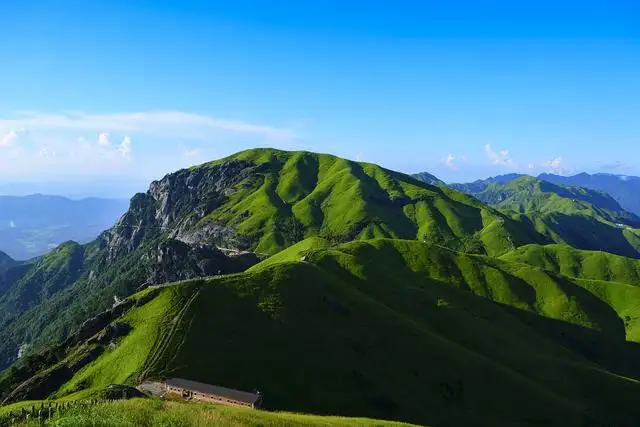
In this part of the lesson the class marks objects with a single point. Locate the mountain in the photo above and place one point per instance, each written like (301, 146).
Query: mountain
(31, 225)
(6, 262)
(480, 185)
(427, 178)
(624, 189)
(338, 287)
(258, 201)
(584, 218)
(382, 328)
(592, 265)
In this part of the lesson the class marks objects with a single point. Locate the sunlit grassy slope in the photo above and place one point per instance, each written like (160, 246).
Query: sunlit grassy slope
(395, 329)
(294, 195)
(583, 218)
(569, 261)
(156, 413)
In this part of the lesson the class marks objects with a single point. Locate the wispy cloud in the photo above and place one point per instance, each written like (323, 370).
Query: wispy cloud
(615, 166)
(103, 139)
(170, 124)
(125, 147)
(34, 142)
(556, 165)
(498, 157)
(450, 162)
(9, 138)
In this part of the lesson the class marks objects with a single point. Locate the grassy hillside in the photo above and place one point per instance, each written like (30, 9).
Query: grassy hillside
(427, 178)
(394, 330)
(528, 194)
(583, 218)
(347, 317)
(623, 188)
(564, 259)
(295, 195)
(156, 413)
(261, 200)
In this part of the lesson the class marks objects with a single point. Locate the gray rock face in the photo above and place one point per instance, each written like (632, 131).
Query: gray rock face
(175, 260)
(177, 205)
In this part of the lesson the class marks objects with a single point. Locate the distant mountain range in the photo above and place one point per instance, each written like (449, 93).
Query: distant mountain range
(624, 189)
(32, 225)
(580, 216)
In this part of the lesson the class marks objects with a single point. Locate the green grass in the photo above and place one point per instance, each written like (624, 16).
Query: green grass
(301, 194)
(152, 413)
(583, 218)
(125, 362)
(393, 324)
(572, 262)
(394, 329)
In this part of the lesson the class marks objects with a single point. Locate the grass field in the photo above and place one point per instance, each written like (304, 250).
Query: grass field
(393, 329)
(300, 194)
(156, 413)
(428, 330)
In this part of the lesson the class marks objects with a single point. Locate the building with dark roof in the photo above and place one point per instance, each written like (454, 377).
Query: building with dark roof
(212, 393)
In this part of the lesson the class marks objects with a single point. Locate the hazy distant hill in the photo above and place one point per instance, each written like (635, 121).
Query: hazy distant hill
(32, 225)
(625, 189)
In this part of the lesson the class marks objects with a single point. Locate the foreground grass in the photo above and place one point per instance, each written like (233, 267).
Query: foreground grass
(394, 329)
(152, 412)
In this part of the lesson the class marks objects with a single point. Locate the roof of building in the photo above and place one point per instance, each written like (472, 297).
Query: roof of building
(228, 393)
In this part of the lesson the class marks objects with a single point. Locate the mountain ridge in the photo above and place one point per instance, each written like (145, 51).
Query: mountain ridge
(383, 296)
(568, 359)
(259, 200)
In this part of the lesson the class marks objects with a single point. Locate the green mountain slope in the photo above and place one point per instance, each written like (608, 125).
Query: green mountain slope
(294, 195)
(383, 328)
(583, 218)
(572, 262)
(259, 200)
(480, 185)
(427, 178)
(528, 194)
(623, 188)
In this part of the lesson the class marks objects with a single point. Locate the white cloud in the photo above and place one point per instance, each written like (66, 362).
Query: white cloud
(170, 124)
(498, 158)
(530, 166)
(12, 224)
(190, 152)
(82, 143)
(555, 165)
(125, 147)
(8, 138)
(450, 159)
(103, 139)
(45, 152)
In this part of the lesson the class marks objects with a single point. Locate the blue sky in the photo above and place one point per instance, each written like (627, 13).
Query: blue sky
(135, 89)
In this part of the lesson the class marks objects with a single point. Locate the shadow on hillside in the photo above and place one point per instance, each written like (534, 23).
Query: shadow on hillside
(588, 233)
(615, 355)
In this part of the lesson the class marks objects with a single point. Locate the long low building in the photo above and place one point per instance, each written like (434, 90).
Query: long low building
(212, 393)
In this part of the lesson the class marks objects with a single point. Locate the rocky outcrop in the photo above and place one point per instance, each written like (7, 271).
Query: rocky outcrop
(168, 234)
(177, 206)
(174, 260)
